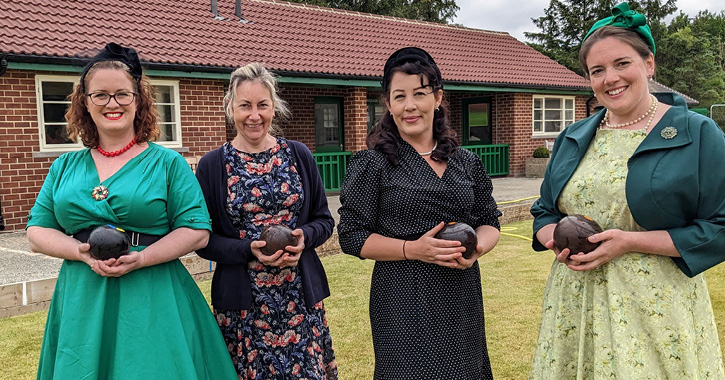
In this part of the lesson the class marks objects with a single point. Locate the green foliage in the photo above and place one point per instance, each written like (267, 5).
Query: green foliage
(442, 11)
(566, 22)
(541, 152)
(692, 57)
(690, 51)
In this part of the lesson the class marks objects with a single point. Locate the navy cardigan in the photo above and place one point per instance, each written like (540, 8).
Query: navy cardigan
(230, 287)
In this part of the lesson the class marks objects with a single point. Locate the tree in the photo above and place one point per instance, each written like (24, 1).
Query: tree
(691, 57)
(442, 11)
(566, 22)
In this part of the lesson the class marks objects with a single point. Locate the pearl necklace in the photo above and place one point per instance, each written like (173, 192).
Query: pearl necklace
(431, 151)
(650, 112)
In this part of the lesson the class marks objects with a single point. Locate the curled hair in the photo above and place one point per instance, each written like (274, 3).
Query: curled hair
(385, 136)
(625, 35)
(255, 71)
(81, 124)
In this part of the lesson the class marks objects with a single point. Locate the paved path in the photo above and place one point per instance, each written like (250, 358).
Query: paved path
(18, 264)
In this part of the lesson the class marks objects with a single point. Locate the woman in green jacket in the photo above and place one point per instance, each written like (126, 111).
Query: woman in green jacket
(646, 169)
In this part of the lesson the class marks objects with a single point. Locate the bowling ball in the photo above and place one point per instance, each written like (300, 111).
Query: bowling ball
(572, 232)
(108, 242)
(277, 236)
(460, 232)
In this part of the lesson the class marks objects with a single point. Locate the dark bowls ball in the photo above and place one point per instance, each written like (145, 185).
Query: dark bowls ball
(573, 231)
(108, 243)
(277, 236)
(460, 232)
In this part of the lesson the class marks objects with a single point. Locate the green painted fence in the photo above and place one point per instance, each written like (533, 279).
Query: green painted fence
(495, 158)
(332, 167)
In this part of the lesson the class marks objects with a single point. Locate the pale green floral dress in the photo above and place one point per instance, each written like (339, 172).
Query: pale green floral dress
(636, 317)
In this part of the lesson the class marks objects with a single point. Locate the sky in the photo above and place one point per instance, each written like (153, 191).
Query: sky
(501, 16)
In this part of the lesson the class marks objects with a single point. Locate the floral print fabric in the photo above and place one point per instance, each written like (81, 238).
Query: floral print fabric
(636, 317)
(279, 337)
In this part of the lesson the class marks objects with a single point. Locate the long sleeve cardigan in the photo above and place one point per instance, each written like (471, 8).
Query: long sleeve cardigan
(231, 288)
(675, 182)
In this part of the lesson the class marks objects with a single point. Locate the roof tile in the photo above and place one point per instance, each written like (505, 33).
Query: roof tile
(286, 36)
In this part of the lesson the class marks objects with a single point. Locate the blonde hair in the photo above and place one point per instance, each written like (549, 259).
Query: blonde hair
(255, 71)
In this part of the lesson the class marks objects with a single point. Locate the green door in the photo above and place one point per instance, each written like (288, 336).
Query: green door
(477, 121)
(329, 125)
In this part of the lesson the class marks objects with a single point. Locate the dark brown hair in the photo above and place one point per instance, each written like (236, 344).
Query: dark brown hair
(385, 136)
(81, 124)
(627, 36)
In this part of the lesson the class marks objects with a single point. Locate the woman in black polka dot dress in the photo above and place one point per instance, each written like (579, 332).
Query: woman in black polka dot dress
(426, 307)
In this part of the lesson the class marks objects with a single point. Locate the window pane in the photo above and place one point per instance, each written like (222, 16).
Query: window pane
(537, 115)
(54, 112)
(537, 126)
(552, 103)
(327, 124)
(478, 115)
(570, 103)
(56, 91)
(552, 126)
(56, 134)
(164, 94)
(166, 113)
(552, 114)
(167, 132)
(537, 103)
(569, 115)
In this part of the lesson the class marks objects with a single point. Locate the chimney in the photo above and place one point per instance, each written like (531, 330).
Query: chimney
(237, 8)
(215, 11)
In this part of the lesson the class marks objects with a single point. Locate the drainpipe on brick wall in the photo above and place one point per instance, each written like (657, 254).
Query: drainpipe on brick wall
(3, 65)
(3, 69)
(589, 107)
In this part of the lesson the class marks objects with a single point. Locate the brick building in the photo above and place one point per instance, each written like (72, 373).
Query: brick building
(505, 98)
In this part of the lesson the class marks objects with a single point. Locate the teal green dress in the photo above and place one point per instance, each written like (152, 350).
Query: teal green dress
(638, 316)
(152, 323)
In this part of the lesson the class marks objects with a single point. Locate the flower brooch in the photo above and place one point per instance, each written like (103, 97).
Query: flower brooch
(668, 133)
(100, 193)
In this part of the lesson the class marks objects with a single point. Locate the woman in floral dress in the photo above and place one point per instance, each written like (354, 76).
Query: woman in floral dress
(269, 308)
(637, 307)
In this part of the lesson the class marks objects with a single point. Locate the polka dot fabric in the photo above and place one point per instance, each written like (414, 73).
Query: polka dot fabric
(427, 320)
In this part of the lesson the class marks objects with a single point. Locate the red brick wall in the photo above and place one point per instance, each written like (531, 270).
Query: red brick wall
(21, 175)
(202, 115)
(205, 128)
(302, 104)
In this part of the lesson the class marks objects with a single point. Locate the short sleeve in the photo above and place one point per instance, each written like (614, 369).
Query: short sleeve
(359, 200)
(43, 212)
(185, 205)
(485, 211)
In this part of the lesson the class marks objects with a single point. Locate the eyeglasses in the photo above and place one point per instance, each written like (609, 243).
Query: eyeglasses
(102, 98)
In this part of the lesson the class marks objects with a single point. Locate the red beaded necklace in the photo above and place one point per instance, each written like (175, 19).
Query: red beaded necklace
(116, 152)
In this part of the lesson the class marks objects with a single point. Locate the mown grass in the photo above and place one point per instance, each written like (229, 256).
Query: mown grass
(513, 278)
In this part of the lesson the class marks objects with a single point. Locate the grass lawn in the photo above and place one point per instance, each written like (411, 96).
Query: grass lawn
(513, 283)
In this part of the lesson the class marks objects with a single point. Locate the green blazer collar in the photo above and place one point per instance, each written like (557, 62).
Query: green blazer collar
(675, 121)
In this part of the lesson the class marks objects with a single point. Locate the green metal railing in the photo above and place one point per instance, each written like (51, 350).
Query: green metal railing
(332, 167)
(495, 158)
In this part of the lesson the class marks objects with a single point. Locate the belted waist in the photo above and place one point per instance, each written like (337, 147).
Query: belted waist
(137, 238)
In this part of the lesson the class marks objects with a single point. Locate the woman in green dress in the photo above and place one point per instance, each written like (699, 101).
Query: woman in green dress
(140, 316)
(636, 307)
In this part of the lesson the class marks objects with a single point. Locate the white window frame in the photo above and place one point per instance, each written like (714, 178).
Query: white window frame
(565, 121)
(44, 147)
(174, 84)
